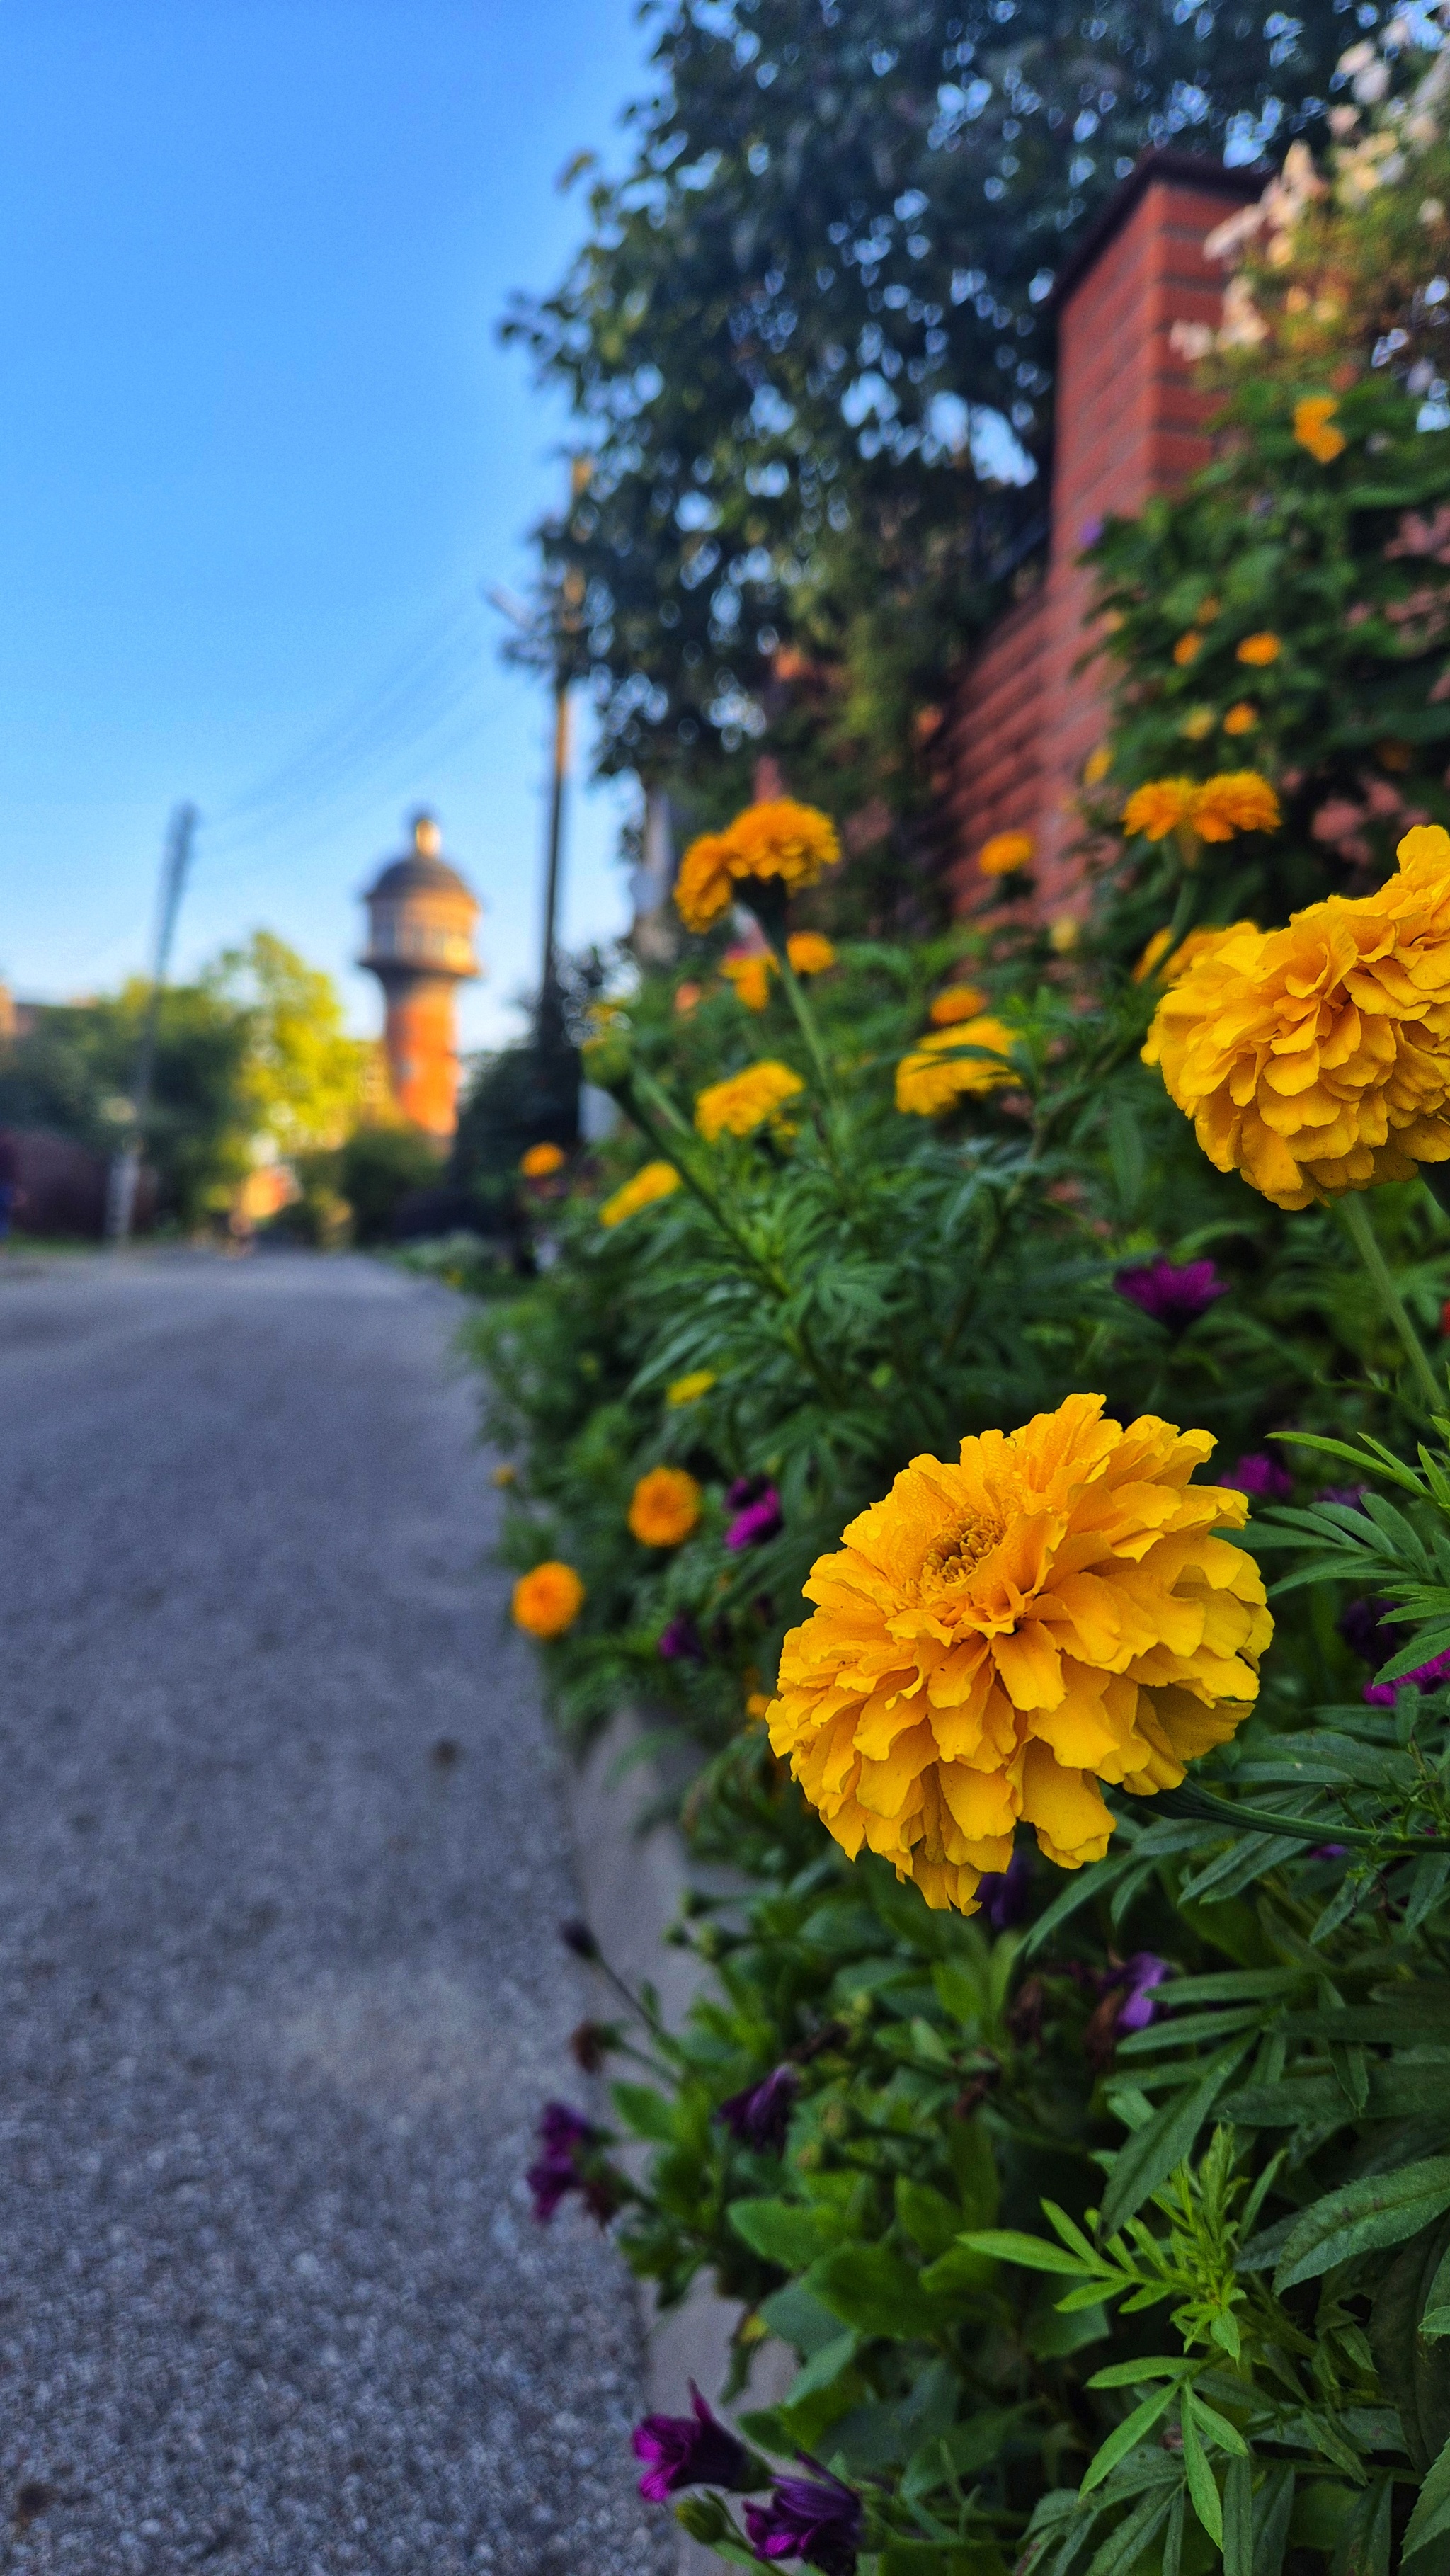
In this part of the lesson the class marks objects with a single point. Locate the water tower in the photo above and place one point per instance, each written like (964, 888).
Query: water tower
(420, 947)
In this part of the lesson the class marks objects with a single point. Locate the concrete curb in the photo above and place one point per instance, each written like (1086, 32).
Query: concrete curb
(632, 1885)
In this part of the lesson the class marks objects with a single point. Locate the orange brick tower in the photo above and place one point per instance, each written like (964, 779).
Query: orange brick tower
(420, 947)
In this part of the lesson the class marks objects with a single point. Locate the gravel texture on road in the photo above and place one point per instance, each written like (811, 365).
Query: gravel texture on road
(283, 1860)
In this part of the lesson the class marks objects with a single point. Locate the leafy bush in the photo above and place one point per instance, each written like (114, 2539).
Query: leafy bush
(1108, 2227)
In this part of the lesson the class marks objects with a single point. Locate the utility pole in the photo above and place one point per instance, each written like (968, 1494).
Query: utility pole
(126, 1168)
(551, 1011)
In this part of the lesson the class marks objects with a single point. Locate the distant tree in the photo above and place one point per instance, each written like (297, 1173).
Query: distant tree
(305, 1078)
(74, 1072)
(377, 1169)
(811, 320)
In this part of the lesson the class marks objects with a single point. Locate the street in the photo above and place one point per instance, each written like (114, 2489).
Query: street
(282, 1864)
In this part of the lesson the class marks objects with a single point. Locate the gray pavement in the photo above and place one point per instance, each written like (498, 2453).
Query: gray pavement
(281, 1858)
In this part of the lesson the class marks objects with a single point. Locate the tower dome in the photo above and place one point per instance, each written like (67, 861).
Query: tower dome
(421, 915)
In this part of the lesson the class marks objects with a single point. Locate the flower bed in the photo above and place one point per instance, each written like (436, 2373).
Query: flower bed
(990, 1403)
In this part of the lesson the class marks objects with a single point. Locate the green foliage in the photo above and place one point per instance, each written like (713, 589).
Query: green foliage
(305, 1077)
(824, 268)
(1109, 2230)
(73, 1072)
(375, 1171)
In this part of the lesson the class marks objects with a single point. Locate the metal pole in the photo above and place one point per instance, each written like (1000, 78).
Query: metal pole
(126, 1168)
(549, 981)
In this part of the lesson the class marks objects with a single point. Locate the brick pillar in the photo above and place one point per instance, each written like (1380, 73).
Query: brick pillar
(1129, 424)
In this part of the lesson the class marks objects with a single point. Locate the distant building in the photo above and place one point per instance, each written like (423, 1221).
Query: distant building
(420, 947)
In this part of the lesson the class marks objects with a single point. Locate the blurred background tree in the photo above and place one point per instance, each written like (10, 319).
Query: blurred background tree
(809, 343)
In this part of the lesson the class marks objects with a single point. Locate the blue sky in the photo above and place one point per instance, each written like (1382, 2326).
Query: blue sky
(259, 448)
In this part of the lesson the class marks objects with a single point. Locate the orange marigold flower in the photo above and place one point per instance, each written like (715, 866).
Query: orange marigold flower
(1316, 1059)
(1187, 649)
(1097, 765)
(548, 1600)
(938, 1071)
(744, 1101)
(757, 1705)
(1241, 718)
(958, 1002)
(809, 952)
(1158, 808)
(665, 1507)
(687, 998)
(654, 1181)
(749, 970)
(1313, 428)
(1001, 1634)
(705, 886)
(541, 1160)
(1259, 650)
(1005, 853)
(1238, 800)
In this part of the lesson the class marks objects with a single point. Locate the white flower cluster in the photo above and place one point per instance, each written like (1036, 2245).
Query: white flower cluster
(1366, 157)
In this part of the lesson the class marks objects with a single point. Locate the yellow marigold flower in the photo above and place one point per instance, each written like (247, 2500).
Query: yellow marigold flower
(1158, 946)
(1198, 724)
(958, 1002)
(749, 970)
(743, 1101)
(1097, 765)
(809, 952)
(541, 1160)
(705, 886)
(1316, 1059)
(1005, 853)
(505, 1473)
(655, 1181)
(1187, 649)
(665, 1507)
(1001, 1634)
(1063, 933)
(779, 838)
(1259, 650)
(1241, 718)
(1182, 958)
(548, 1600)
(936, 1072)
(1313, 419)
(757, 1705)
(1238, 800)
(686, 1390)
(1158, 808)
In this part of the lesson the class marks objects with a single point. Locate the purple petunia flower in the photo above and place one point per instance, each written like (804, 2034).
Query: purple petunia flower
(1139, 1975)
(688, 2451)
(758, 1520)
(1004, 1893)
(1362, 1626)
(1425, 1677)
(760, 2116)
(1174, 1293)
(1264, 1478)
(554, 2171)
(1352, 1496)
(815, 2519)
(680, 1641)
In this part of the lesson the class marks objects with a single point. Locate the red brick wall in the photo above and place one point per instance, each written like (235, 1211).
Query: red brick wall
(1129, 424)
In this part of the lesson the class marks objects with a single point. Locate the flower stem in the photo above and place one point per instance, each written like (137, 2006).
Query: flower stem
(1366, 1243)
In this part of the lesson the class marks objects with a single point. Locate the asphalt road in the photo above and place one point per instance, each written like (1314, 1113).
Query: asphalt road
(281, 1862)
